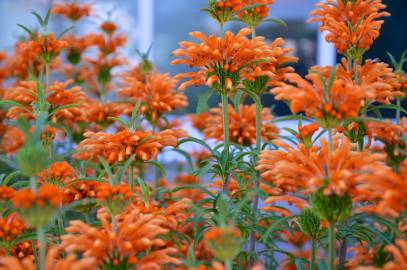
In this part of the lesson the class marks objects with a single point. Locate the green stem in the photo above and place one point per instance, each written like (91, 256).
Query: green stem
(221, 29)
(131, 178)
(331, 245)
(42, 243)
(228, 265)
(252, 246)
(398, 103)
(225, 111)
(114, 224)
(313, 253)
(330, 141)
(33, 184)
(46, 76)
(253, 32)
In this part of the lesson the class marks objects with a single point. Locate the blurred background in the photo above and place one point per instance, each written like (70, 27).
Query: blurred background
(164, 23)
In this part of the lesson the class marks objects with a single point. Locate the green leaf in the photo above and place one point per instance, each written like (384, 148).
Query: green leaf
(31, 33)
(202, 105)
(12, 103)
(65, 31)
(195, 140)
(389, 107)
(194, 186)
(107, 169)
(39, 18)
(124, 168)
(60, 108)
(277, 21)
(237, 99)
(157, 165)
(47, 16)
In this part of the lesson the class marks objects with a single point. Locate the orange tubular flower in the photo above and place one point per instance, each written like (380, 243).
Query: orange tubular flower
(253, 16)
(59, 173)
(122, 145)
(157, 94)
(241, 124)
(222, 62)
(392, 137)
(73, 10)
(25, 93)
(352, 25)
(309, 169)
(376, 79)
(46, 47)
(37, 209)
(399, 254)
(223, 10)
(10, 227)
(12, 140)
(136, 234)
(342, 100)
(387, 189)
(114, 198)
(53, 262)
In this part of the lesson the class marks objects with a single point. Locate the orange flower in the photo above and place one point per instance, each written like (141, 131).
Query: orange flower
(10, 227)
(157, 94)
(46, 47)
(312, 168)
(386, 189)
(399, 254)
(25, 93)
(390, 134)
(53, 262)
(22, 250)
(47, 195)
(122, 145)
(352, 25)
(12, 140)
(114, 198)
(253, 16)
(241, 124)
(223, 10)
(222, 62)
(59, 173)
(306, 132)
(37, 209)
(72, 10)
(198, 121)
(80, 191)
(341, 100)
(376, 79)
(136, 241)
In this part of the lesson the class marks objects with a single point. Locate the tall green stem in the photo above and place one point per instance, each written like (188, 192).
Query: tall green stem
(331, 245)
(252, 245)
(221, 29)
(114, 224)
(228, 265)
(225, 111)
(131, 178)
(33, 184)
(42, 243)
(398, 103)
(313, 253)
(330, 141)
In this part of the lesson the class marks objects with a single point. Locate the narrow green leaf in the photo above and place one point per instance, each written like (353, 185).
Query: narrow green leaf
(202, 105)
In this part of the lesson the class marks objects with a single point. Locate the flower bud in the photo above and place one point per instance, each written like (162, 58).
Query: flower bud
(332, 208)
(310, 223)
(225, 243)
(32, 159)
